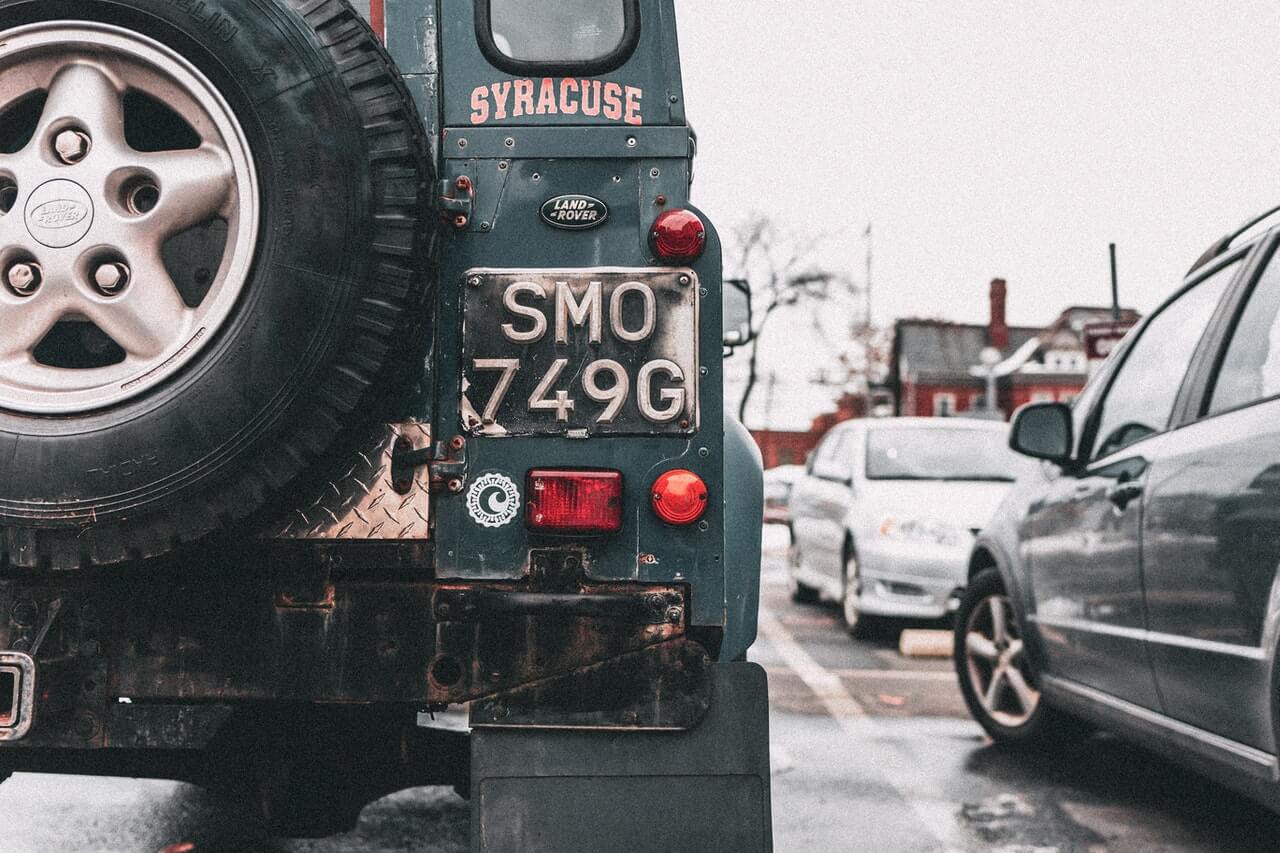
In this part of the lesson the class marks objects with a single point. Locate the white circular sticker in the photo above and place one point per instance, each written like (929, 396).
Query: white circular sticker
(493, 500)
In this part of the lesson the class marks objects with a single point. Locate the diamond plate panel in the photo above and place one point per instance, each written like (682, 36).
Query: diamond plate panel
(362, 504)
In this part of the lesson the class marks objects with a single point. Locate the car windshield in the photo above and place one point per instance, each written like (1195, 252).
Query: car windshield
(908, 453)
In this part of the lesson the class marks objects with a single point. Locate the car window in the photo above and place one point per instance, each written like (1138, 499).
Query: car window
(1251, 370)
(1140, 401)
(919, 453)
(558, 31)
(832, 460)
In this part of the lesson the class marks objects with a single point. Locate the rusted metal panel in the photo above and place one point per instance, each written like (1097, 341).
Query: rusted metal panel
(365, 501)
(305, 631)
(663, 687)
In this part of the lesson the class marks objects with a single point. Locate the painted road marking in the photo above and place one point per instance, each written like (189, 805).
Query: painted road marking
(896, 675)
(825, 685)
(875, 742)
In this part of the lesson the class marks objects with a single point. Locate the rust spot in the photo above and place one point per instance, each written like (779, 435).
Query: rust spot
(293, 601)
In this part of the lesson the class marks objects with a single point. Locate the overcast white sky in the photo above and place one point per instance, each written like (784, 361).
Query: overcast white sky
(984, 139)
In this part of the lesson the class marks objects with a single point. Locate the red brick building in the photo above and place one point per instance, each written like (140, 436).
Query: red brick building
(937, 367)
(788, 447)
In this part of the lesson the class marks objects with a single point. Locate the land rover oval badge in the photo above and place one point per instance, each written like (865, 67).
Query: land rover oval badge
(574, 212)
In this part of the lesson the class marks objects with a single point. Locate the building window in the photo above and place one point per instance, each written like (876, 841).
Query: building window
(977, 402)
(786, 456)
(944, 405)
(1065, 361)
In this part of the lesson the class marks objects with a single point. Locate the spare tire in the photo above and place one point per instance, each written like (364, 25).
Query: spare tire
(213, 218)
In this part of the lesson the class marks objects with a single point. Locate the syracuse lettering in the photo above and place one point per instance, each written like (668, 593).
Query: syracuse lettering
(568, 96)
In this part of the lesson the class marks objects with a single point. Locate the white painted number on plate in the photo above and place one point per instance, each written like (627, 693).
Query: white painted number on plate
(659, 386)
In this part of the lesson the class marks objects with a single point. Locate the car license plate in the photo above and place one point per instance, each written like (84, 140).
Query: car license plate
(580, 352)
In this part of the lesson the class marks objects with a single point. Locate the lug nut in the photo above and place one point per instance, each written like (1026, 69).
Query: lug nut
(24, 279)
(111, 278)
(72, 146)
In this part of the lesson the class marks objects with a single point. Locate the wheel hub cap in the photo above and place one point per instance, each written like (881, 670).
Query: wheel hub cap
(59, 214)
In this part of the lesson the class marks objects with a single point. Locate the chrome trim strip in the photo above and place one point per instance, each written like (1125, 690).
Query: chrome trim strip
(1248, 652)
(1256, 761)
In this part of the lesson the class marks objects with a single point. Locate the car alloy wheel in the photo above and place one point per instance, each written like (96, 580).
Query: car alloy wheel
(800, 593)
(90, 215)
(997, 666)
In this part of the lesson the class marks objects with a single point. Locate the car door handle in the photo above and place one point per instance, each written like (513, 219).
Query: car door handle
(1123, 494)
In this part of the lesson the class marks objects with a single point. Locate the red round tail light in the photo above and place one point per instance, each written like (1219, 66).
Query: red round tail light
(680, 497)
(679, 235)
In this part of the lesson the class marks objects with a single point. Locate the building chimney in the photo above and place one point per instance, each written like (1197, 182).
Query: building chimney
(998, 331)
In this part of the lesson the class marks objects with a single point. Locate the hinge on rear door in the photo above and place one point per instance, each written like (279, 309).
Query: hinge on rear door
(446, 463)
(457, 199)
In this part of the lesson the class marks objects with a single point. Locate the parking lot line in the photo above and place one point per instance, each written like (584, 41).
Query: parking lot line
(874, 742)
(838, 701)
(895, 674)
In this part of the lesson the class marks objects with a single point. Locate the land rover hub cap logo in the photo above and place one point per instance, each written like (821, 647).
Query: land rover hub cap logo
(59, 214)
(574, 212)
(493, 500)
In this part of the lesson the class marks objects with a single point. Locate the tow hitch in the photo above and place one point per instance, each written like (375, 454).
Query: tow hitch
(17, 694)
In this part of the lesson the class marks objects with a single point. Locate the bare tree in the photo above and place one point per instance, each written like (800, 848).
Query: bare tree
(782, 269)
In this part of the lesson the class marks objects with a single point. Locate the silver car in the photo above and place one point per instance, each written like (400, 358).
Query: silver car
(885, 518)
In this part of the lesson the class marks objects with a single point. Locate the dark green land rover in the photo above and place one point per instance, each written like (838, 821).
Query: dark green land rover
(357, 362)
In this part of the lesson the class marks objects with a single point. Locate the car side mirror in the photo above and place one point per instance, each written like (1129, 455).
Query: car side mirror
(737, 313)
(1043, 431)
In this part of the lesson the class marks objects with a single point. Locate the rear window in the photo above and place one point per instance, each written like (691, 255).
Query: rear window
(548, 36)
(941, 454)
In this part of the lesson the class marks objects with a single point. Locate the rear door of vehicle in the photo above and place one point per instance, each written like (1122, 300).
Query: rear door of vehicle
(564, 342)
(1211, 530)
(1084, 540)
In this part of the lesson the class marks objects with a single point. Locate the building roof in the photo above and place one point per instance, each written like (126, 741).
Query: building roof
(939, 351)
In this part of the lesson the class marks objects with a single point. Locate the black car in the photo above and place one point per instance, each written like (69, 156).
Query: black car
(1131, 581)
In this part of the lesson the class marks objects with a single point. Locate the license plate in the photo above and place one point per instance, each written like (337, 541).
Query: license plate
(580, 352)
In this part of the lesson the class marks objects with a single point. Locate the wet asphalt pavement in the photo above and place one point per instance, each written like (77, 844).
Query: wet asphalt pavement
(872, 751)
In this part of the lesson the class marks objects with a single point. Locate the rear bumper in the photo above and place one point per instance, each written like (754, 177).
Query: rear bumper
(911, 581)
(146, 661)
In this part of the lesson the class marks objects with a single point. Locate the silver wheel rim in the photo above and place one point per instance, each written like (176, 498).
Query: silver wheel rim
(997, 665)
(849, 600)
(793, 569)
(80, 221)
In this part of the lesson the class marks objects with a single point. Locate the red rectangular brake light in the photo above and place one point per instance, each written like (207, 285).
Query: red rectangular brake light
(574, 501)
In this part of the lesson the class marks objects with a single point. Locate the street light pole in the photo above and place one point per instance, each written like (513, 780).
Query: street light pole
(1115, 287)
(990, 359)
(866, 332)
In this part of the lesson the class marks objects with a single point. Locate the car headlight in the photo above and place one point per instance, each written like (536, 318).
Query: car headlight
(924, 531)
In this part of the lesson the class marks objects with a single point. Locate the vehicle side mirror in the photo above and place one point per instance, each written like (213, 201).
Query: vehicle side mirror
(1043, 431)
(737, 313)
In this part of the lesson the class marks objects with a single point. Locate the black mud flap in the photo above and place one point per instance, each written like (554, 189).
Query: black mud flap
(582, 791)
